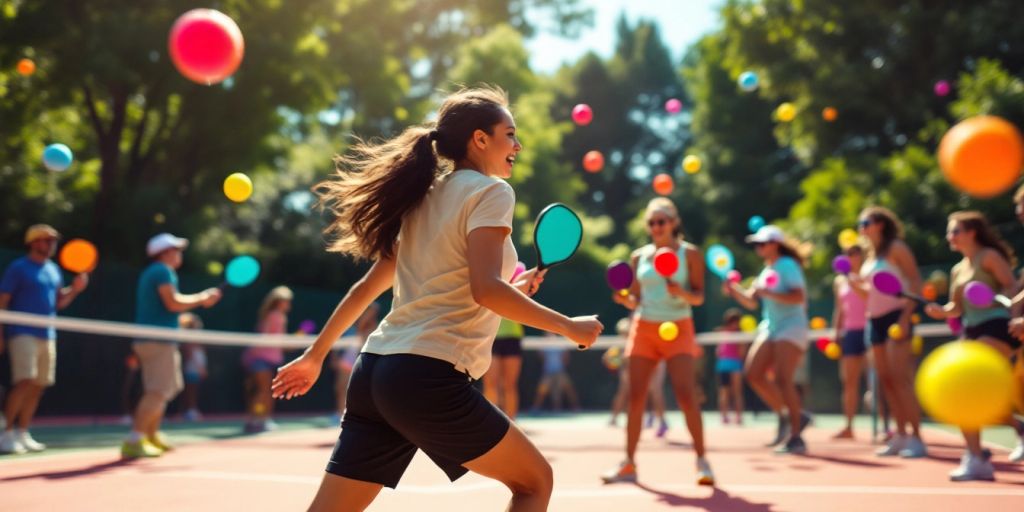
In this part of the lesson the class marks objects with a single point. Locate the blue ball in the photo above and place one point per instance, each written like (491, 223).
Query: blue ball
(57, 157)
(748, 81)
(755, 223)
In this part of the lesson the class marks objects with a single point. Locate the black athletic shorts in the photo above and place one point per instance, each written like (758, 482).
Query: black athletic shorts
(880, 327)
(507, 347)
(398, 403)
(998, 328)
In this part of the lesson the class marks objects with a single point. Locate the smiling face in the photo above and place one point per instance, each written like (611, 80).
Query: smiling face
(957, 236)
(495, 153)
(44, 248)
(661, 225)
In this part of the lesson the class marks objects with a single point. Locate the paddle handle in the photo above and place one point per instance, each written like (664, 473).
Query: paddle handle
(222, 286)
(1003, 300)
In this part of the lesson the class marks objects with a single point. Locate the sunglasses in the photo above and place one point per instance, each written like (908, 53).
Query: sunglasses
(759, 244)
(865, 223)
(954, 231)
(657, 222)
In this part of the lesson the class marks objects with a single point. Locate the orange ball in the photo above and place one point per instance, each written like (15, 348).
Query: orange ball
(663, 184)
(593, 161)
(26, 67)
(982, 155)
(829, 114)
(928, 292)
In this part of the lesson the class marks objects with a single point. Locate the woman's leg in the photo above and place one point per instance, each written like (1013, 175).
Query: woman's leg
(888, 386)
(619, 402)
(901, 368)
(657, 391)
(851, 368)
(680, 370)
(509, 379)
(640, 371)
(340, 493)
(518, 464)
(787, 358)
(492, 382)
(760, 360)
(736, 386)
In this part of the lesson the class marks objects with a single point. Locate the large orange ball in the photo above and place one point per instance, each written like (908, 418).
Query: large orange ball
(982, 156)
(663, 184)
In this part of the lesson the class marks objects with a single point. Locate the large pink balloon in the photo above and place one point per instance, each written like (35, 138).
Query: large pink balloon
(206, 46)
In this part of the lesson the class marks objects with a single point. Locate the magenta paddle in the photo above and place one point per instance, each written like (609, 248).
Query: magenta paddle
(619, 275)
(980, 295)
(886, 282)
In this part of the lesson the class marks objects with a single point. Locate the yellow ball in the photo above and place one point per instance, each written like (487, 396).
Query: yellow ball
(238, 187)
(833, 351)
(215, 268)
(624, 293)
(785, 112)
(691, 164)
(668, 331)
(748, 323)
(917, 345)
(847, 238)
(895, 332)
(818, 323)
(967, 384)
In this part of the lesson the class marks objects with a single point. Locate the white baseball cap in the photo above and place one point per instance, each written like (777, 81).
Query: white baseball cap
(767, 234)
(164, 241)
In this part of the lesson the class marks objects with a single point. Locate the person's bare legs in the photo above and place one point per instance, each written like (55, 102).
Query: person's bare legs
(787, 357)
(28, 408)
(851, 368)
(736, 386)
(149, 413)
(888, 387)
(340, 493)
(491, 382)
(263, 403)
(640, 371)
(509, 384)
(901, 368)
(680, 370)
(518, 464)
(543, 387)
(759, 361)
(621, 395)
(657, 393)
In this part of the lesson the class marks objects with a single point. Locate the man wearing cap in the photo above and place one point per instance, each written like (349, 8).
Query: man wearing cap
(158, 303)
(32, 284)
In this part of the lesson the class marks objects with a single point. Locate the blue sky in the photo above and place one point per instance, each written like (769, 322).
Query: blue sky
(682, 22)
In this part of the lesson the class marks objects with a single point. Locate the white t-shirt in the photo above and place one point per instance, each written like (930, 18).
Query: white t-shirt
(433, 313)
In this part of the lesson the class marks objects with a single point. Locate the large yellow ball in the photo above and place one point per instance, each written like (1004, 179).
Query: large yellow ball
(691, 164)
(785, 112)
(668, 331)
(238, 187)
(847, 238)
(748, 323)
(967, 384)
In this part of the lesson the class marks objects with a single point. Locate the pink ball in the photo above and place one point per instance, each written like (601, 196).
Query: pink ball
(673, 106)
(206, 46)
(582, 115)
(733, 276)
(771, 278)
(942, 88)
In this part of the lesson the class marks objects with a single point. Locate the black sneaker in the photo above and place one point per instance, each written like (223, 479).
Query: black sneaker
(805, 419)
(795, 446)
(782, 433)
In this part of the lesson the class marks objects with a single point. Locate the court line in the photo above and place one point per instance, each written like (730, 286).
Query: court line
(625, 489)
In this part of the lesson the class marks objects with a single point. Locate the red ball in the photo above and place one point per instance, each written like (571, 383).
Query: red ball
(206, 46)
(663, 184)
(593, 161)
(666, 262)
(822, 343)
(582, 114)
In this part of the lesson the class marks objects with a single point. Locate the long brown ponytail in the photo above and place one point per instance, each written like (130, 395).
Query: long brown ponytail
(376, 186)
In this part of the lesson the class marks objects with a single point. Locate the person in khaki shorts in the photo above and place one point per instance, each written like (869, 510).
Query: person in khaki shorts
(158, 303)
(32, 284)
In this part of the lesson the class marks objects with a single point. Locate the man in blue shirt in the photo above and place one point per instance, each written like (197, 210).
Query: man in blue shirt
(32, 284)
(158, 303)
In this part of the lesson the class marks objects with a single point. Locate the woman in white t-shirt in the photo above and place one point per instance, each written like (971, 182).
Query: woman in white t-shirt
(440, 239)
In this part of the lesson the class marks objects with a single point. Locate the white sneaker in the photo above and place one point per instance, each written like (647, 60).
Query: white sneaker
(9, 443)
(914, 448)
(973, 468)
(1017, 455)
(893, 447)
(704, 474)
(30, 444)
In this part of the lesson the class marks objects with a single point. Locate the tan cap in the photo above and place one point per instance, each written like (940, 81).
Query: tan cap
(38, 231)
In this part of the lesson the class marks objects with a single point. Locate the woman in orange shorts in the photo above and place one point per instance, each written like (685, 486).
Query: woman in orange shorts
(656, 300)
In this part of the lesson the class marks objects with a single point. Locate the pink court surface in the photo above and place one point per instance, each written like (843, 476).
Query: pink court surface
(281, 471)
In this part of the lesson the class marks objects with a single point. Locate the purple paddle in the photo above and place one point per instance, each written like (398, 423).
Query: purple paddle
(886, 282)
(619, 275)
(841, 264)
(980, 295)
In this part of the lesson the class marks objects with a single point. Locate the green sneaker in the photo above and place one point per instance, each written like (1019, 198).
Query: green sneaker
(159, 441)
(139, 449)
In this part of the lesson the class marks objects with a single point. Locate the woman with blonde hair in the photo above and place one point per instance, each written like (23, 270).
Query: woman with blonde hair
(259, 362)
(890, 346)
(782, 336)
(656, 300)
(990, 260)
